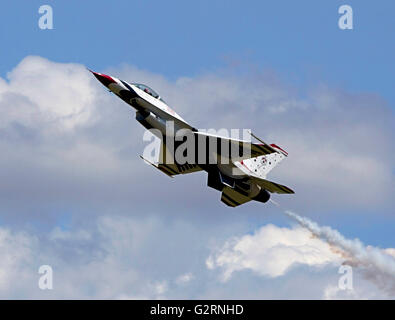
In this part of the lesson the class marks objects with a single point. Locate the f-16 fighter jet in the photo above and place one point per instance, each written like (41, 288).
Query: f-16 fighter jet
(239, 175)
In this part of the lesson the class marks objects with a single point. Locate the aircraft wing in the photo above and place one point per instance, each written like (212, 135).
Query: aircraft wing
(167, 164)
(271, 186)
(251, 150)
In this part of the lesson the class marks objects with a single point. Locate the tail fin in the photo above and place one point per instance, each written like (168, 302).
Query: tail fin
(262, 165)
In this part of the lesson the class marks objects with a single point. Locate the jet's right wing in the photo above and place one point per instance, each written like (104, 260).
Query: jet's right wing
(245, 149)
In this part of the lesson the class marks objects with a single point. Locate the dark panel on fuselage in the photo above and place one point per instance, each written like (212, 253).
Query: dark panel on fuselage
(214, 181)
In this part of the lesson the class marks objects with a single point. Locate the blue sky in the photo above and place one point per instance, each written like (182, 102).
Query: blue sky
(300, 40)
(74, 184)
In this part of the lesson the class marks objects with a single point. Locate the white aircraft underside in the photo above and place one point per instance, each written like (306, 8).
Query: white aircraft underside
(240, 177)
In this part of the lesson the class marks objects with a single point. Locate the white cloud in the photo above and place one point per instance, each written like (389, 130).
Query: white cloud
(271, 251)
(99, 262)
(184, 278)
(332, 292)
(161, 287)
(79, 235)
(57, 92)
(390, 251)
(17, 250)
(364, 291)
(68, 146)
(116, 262)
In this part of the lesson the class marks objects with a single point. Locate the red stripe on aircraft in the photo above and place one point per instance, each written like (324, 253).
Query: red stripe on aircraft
(276, 146)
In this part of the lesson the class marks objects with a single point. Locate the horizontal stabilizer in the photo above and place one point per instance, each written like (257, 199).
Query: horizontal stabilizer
(233, 198)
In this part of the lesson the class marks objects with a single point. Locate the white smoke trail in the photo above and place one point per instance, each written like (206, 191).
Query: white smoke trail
(376, 265)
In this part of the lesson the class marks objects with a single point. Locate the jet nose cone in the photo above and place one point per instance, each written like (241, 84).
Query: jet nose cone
(103, 78)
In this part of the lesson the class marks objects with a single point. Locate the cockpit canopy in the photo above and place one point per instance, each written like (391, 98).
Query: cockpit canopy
(148, 90)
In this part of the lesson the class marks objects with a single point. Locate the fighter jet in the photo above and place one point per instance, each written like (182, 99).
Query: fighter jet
(239, 176)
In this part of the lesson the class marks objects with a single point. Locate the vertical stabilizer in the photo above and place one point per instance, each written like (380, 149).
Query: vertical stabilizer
(260, 166)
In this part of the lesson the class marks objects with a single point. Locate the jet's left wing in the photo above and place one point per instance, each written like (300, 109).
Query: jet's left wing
(167, 164)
